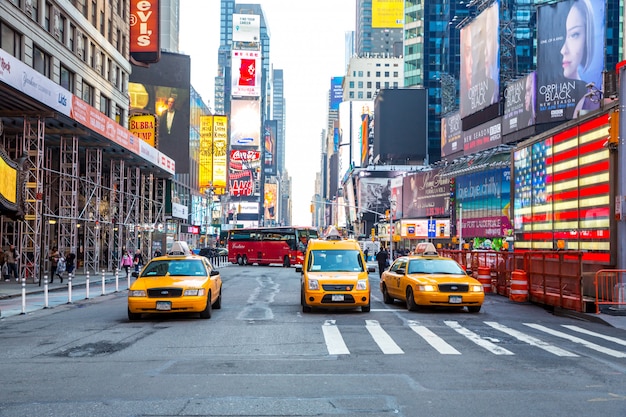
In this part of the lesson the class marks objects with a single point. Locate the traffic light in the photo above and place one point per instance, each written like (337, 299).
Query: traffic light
(312, 208)
(613, 138)
(386, 214)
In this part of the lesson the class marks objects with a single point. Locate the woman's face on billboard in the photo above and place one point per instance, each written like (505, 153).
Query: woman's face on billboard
(573, 49)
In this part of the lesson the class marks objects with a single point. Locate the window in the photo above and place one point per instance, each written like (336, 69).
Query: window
(360, 84)
(105, 105)
(360, 73)
(110, 32)
(102, 22)
(378, 74)
(386, 74)
(48, 17)
(351, 84)
(88, 93)
(72, 38)
(369, 84)
(92, 55)
(351, 94)
(369, 94)
(61, 29)
(360, 95)
(66, 79)
(41, 61)
(10, 40)
(31, 8)
(378, 85)
(94, 10)
(395, 74)
(118, 40)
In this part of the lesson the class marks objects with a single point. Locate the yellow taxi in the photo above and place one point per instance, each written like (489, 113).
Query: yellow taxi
(179, 282)
(429, 280)
(334, 274)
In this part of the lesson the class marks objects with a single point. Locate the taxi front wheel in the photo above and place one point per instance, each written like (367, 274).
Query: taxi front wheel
(387, 299)
(410, 301)
(206, 313)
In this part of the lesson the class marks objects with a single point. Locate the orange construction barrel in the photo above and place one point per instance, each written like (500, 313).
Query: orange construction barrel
(484, 277)
(519, 286)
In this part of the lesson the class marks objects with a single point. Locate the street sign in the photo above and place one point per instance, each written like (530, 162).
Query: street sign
(432, 228)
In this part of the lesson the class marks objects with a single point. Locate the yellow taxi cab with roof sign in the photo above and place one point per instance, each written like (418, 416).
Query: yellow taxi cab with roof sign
(426, 279)
(334, 274)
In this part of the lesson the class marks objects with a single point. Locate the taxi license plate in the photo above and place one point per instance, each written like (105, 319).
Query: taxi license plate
(337, 297)
(164, 305)
(455, 299)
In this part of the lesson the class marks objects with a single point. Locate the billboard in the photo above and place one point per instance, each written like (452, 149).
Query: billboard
(426, 194)
(480, 62)
(243, 178)
(375, 194)
(246, 27)
(485, 136)
(144, 31)
(388, 14)
(247, 81)
(271, 196)
(486, 199)
(336, 92)
(144, 127)
(570, 56)
(212, 152)
(519, 104)
(269, 137)
(451, 129)
(163, 89)
(351, 147)
(400, 126)
(245, 123)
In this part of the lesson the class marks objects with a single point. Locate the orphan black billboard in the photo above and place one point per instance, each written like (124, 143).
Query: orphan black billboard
(570, 56)
(519, 104)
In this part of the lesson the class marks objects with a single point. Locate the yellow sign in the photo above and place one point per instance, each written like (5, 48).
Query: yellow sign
(213, 149)
(8, 182)
(205, 151)
(387, 14)
(144, 127)
(220, 151)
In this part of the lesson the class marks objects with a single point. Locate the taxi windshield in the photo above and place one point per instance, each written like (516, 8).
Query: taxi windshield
(335, 260)
(178, 267)
(434, 266)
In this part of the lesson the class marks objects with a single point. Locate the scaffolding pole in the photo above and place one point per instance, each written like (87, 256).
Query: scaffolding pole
(68, 194)
(92, 191)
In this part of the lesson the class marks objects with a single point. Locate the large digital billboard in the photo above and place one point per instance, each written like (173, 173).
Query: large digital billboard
(563, 192)
(163, 89)
(426, 194)
(351, 116)
(269, 137)
(245, 123)
(570, 56)
(451, 129)
(387, 14)
(519, 104)
(246, 74)
(213, 148)
(144, 43)
(246, 27)
(336, 92)
(482, 137)
(480, 62)
(243, 178)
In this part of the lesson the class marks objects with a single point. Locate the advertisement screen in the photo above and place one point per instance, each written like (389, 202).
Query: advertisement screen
(271, 196)
(163, 89)
(570, 57)
(246, 80)
(246, 27)
(269, 136)
(243, 179)
(351, 115)
(426, 194)
(482, 137)
(563, 192)
(245, 123)
(387, 14)
(336, 92)
(451, 129)
(519, 104)
(144, 127)
(480, 62)
(212, 153)
(144, 31)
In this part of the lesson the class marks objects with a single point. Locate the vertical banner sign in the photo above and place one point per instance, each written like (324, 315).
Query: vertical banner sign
(220, 153)
(144, 31)
(205, 165)
(144, 127)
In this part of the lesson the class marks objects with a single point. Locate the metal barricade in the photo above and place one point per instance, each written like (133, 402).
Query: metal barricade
(611, 289)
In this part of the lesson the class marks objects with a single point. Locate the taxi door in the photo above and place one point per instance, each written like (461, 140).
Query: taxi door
(395, 277)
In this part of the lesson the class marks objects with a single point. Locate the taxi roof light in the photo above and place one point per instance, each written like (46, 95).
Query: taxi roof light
(179, 248)
(426, 249)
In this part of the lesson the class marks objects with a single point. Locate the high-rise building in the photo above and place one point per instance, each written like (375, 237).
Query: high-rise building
(379, 27)
(169, 13)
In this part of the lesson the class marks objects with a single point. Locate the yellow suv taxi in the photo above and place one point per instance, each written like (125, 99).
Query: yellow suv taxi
(334, 274)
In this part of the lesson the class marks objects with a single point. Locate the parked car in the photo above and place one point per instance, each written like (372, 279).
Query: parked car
(180, 283)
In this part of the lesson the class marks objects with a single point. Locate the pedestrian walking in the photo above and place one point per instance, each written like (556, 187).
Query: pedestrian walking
(10, 259)
(54, 263)
(138, 260)
(382, 258)
(127, 262)
(366, 252)
(70, 262)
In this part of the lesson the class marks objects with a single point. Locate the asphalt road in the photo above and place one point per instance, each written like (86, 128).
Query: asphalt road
(261, 356)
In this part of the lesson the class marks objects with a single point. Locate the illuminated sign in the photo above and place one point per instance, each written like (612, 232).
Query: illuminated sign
(144, 31)
(144, 127)
(387, 14)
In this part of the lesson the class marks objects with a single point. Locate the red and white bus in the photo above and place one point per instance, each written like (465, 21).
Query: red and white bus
(269, 245)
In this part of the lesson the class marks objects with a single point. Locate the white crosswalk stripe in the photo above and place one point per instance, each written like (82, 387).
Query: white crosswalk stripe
(598, 348)
(336, 345)
(491, 347)
(533, 341)
(382, 339)
(432, 339)
(334, 340)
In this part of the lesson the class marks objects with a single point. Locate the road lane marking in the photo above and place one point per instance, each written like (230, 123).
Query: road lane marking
(382, 339)
(432, 339)
(333, 339)
(593, 346)
(590, 333)
(531, 340)
(493, 348)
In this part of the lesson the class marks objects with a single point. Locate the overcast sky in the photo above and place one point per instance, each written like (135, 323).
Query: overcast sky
(308, 43)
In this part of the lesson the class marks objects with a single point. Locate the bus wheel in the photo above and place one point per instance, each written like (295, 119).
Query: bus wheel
(240, 260)
(286, 262)
(244, 260)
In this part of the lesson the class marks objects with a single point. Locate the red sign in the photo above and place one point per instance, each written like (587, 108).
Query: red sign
(144, 31)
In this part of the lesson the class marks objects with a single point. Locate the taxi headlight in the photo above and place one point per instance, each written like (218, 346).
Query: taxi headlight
(313, 284)
(137, 293)
(194, 291)
(476, 288)
(361, 284)
(426, 288)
